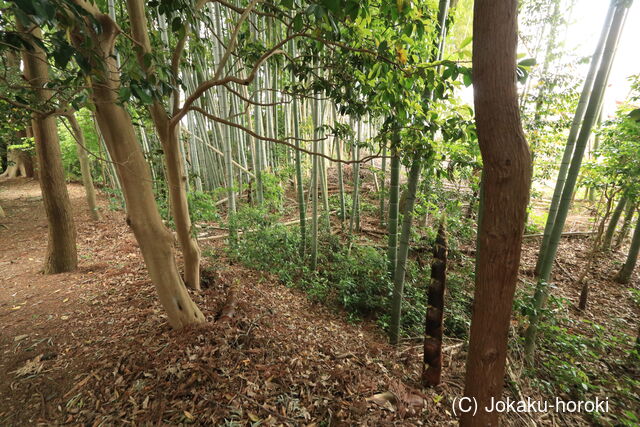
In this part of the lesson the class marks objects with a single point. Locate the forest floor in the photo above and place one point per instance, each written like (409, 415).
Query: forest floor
(93, 347)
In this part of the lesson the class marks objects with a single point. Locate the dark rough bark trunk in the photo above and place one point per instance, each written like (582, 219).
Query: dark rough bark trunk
(505, 180)
(432, 359)
(62, 254)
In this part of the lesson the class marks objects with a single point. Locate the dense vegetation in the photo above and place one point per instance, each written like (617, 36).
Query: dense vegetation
(329, 146)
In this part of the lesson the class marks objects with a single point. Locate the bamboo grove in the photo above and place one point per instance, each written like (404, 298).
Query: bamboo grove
(246, 107)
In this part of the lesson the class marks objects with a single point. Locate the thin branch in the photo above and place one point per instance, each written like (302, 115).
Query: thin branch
(248, 100)
(282, 141)
(208, 84)
(233, 39)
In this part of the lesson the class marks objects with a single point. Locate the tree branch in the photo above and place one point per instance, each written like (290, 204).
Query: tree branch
(281, 141)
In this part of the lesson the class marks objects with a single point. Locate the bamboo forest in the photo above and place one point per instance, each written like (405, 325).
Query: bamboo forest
(319, 212)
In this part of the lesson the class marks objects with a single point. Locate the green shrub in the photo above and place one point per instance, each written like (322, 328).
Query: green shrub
(355, 280)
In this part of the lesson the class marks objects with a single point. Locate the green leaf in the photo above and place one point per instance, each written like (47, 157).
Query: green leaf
(124, 94)
(465, 42)
(466, 78)
(62, 55)
(176, 24)
(635, 115)
(529, 62)
(333, 5)
(298, 22)
(142, 93)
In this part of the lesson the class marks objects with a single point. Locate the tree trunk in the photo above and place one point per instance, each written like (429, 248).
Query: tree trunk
(85, 168)
(505, 180)
(62, 254)
(176, 180)
(170, 139)
(613, 223)
(406, 205)
(626, 224)
(394, 195)
(15, 162)
(591, 192)
(155, 240)
(597, 239)
(19, 163)
(403, 251)
(314, 190)
(343, 207)
(624, 274)
(383, 180)
(433, 328)
(542, 290)
(571, 140)
(354, 223)
(299, 182)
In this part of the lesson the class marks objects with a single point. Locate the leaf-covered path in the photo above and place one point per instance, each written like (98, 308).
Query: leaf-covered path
(94, 347)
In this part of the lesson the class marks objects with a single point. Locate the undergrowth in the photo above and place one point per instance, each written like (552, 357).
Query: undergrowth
(578, 359)
(353, 278)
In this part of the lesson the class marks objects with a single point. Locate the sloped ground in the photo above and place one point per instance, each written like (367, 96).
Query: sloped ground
(93, 347)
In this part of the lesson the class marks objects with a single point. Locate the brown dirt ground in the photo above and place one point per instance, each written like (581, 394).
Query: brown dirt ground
(93, 347)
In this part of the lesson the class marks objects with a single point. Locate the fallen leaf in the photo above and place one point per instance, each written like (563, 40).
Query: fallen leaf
(385, 399)
(32, 367)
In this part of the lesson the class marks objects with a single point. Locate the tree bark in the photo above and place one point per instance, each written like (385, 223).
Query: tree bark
(613, 223)
(169, 138)
(624, 274)
(62, 254)
(505, 180)
(85, 168)
(584, 292)
(433, 329)
(155, 240)
(22, 165)
(626, 224)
